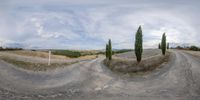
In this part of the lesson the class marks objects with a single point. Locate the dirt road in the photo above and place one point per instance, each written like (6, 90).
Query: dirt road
(179, 79)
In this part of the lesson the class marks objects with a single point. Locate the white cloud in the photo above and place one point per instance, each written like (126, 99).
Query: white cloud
(71, 24)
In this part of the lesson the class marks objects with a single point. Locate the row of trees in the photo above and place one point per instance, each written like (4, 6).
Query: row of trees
(138, 45)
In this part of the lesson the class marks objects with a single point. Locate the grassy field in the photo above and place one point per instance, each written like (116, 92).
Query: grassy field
(76, 53)
(41, 54)
(57, 54)
(68, 53)
(34, 66)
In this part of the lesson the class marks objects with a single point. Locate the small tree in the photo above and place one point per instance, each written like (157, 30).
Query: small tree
(167, 45)
(138, 44)
(163, 44)
(109, 50)
(159, 47)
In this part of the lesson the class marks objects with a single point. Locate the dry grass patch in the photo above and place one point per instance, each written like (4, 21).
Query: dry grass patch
(37, 54)
(35, 66)
(130, 66)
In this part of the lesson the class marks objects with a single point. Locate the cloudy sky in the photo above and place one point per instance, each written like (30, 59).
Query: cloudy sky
(88, 24)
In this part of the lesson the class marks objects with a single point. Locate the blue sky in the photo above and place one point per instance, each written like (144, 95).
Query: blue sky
(88, 24)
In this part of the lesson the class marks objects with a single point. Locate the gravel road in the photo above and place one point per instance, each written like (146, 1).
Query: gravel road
(179, 79)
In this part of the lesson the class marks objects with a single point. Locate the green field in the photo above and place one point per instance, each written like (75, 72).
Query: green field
(68, 53)
(76, 54)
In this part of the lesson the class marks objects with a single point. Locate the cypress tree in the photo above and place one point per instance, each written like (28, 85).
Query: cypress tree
(167, 45)
(163, 44)
(138, 44)
(109, 50)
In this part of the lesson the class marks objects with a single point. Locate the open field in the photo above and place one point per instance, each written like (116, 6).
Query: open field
(177, 79)
(38, 61)
(36, 54)
(146, 53)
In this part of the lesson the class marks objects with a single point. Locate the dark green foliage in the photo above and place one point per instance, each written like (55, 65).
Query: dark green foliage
(163, 44)
(68, 53)
(109, 50)
(138, 44)
(194, 48)
(10, 49)
(159, 47)
(167, 45)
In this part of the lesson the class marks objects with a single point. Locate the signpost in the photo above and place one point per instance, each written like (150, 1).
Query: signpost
(49, 62)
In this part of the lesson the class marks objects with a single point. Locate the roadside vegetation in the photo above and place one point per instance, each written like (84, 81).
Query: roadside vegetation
(132, 66)
(138, 65)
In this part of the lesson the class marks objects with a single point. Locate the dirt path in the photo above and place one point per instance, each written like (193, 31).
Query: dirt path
(91, 80)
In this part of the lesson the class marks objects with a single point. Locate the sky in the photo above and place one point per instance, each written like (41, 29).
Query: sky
(88, 24)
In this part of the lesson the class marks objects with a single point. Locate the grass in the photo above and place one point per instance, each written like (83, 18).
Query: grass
(68, 53)
(35, 66)
(122, 51)
(40, 54)
(133, 67)
(76, 54)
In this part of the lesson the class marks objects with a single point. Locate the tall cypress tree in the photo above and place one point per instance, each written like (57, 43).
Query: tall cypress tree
(109, 50)
(163, 44)
(138, 44)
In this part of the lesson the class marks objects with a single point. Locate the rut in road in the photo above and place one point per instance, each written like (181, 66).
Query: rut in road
(178, 79)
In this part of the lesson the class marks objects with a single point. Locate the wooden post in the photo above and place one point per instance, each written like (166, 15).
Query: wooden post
(49, 62)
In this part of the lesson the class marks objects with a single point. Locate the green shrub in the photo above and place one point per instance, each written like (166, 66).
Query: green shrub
(194, 48)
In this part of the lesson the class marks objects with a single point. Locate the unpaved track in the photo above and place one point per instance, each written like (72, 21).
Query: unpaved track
(179, 79)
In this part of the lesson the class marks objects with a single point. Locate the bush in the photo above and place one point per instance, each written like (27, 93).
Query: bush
(194, 48)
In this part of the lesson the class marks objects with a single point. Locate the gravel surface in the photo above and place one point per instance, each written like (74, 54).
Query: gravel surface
(179, 79)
